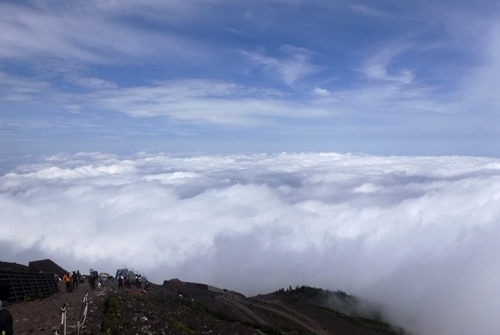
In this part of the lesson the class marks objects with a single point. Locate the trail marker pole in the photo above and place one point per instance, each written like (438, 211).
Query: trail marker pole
(83, 312)
(62, 326)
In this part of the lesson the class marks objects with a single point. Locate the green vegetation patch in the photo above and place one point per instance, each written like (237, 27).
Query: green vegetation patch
(111, 323)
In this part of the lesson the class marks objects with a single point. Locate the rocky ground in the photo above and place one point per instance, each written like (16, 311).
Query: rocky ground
(181, 308)
(113, 311)
(44, 316)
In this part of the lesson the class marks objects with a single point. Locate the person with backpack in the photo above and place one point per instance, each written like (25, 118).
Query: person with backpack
(6, 323)
(67, 281)
(127, 281)
(120, 281)
(92, 280)
(147, 285)
(93, 277)
(74, 280)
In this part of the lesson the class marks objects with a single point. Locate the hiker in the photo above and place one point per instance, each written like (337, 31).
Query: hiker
(67, 281)
(147, 285)
(120, 281)
(5, 316)
(92, 279)
(74, 280)
(71, 282)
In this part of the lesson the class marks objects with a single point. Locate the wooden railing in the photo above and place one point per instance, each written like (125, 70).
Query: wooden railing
(26, 286)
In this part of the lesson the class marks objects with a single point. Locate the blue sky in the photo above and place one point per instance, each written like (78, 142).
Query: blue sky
(380, 77)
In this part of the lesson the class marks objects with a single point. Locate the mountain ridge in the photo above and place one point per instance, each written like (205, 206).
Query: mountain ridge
(179, 307)
(284, 311)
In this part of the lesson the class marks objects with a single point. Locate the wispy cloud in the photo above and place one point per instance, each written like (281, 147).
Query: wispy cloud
(85, 36)
(377, 66)
(296, 63)
(369, 11)
(203, 101)
(190, 100)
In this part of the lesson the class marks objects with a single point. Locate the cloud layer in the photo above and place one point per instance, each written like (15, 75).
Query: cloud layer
(415, 234)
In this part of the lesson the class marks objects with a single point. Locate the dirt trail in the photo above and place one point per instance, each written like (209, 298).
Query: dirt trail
(44, 316)
(290, 314)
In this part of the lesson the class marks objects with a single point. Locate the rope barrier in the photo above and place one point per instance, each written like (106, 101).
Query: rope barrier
(61, 330)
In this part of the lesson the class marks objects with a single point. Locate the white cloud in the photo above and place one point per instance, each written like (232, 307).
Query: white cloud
(84, 35)
(480, 87)
(188, 100)
(377, 65)
(293, 66)
(368, 11)
(416, 234)
(321, 92)
(203, 101)
(14, 88)
(379, 71)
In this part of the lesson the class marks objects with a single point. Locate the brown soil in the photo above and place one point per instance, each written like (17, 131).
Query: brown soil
(44, 316)
(175, 317)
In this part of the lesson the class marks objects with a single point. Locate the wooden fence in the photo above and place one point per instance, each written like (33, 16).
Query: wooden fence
(26, 286)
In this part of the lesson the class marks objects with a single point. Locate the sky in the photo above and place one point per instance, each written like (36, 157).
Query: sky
(253, 145)
(380, 76)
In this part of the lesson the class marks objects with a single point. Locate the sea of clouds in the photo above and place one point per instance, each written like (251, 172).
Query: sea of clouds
(418, 235)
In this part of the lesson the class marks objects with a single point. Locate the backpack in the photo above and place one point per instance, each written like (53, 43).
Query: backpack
(5, 320)
(1, 326)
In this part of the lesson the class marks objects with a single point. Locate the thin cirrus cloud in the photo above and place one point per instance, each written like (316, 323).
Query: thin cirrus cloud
(366, 10)
(216, 102)
(213, 102)
(194, 100)
(414, 234)
(294, 65)
(83, 36)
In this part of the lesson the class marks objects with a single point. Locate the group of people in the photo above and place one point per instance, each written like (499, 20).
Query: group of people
(71, 280)
(124, 280)
(138, 281)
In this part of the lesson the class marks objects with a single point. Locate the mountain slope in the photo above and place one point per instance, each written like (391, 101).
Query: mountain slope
(274, 313)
